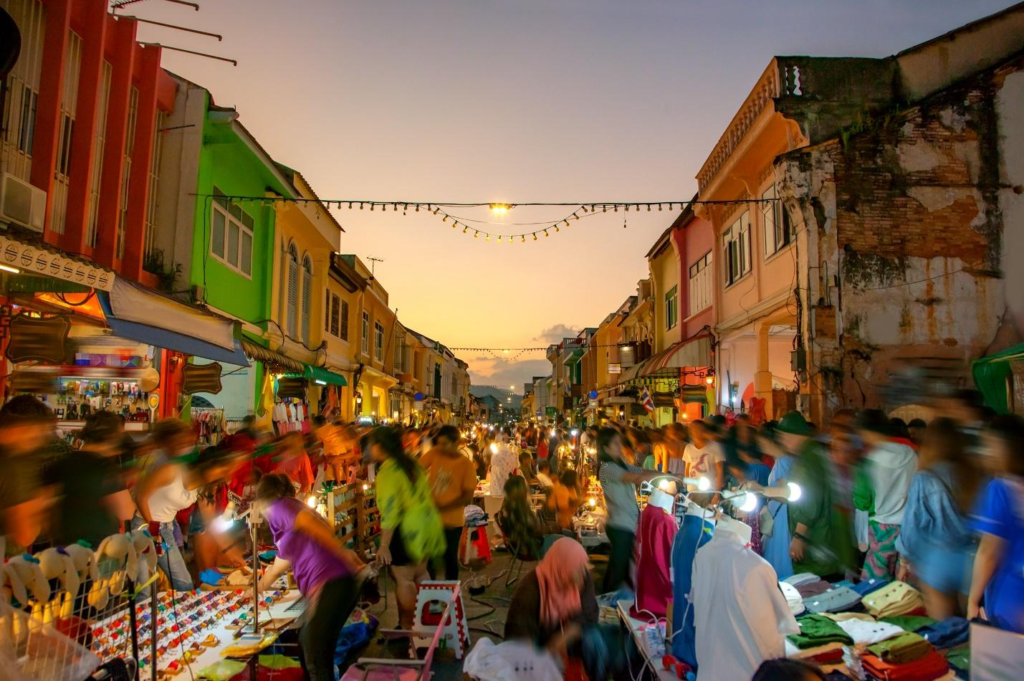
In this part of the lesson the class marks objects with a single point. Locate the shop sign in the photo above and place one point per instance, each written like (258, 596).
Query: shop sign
(201, 378)
(35, 260)
(551, 411)
(40, 340)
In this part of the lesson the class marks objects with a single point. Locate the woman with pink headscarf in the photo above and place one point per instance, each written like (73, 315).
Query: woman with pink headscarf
(555, 606)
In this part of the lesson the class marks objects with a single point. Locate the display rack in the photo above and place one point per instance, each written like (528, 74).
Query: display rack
(367, 520)
(341, 505)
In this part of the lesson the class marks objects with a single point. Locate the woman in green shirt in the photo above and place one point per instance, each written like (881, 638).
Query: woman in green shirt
(821, 537)
(411, 529)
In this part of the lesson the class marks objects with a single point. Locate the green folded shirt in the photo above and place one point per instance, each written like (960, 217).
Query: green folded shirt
(818, 630)
(901, 649)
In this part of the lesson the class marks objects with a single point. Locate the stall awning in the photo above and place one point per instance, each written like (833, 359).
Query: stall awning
(258, 353)
(692, 352)
(140, 315)
(323, 376)
(633, 372)
(991, 374)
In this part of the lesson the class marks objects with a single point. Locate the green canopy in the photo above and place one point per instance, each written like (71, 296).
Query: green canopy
(320, 375)
(990, 375)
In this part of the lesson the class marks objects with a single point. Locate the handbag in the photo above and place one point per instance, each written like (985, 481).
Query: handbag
(767, 520)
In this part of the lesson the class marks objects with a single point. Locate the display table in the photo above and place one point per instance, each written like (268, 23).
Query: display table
(196, 627)
(635, 627)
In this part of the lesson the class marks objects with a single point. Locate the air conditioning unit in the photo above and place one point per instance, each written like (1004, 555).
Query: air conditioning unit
(22, 203)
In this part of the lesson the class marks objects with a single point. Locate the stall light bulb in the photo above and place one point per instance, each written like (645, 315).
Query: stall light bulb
(575, 432)
(311, 501)
(222, 524)
(794, 491)
(749, 503)
(366, 487)
(703, 484)
(494, 448)
(665, 485)
(592, 501)
(552, 432)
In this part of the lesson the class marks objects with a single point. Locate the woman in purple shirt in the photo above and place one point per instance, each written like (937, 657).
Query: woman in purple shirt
(324, 570)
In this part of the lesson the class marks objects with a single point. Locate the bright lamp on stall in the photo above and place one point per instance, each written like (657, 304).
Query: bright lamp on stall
(494, 448)
(553, 432)
(592, 501)
(665, 485)
(794, 491)
(311, 501)
(749, 502)
(575, 432)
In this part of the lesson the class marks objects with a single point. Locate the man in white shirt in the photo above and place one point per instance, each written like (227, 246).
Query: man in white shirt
(703, 456)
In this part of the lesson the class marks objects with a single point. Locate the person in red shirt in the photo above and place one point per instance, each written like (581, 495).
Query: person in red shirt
(292, 460)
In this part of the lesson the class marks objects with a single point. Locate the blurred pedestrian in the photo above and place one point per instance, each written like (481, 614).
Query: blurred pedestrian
(997, 584)
(412, 532)
(936, 546)
(26, 426)
(453, 482)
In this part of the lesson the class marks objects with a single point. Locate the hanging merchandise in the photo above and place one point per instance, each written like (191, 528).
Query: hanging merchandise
(209, 425)
(654, 550)
(741, 617)
(695, 531)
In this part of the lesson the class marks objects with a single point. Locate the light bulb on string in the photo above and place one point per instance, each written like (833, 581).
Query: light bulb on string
(436, 211)
(524, 239)
(546, 233)
(499, 238)
(584, 209)
(566, 222)
(487, 237)
(417, 208)
(535, 236)
(464, 228)
(648, 208)
(617, 208)
(627, 207)
(395, 207)
(444, 219)
(476, 234)
(592, 208)
(350, 205)
(371, 206)
(575, 217)
(455, 224)
(660, 207)
(556, 227)
(360, 206)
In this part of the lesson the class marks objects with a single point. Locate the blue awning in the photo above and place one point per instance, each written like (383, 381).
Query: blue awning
(171, 339)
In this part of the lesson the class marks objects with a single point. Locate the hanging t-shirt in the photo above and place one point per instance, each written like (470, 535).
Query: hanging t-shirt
(654, 560)
(740, 615)
(693, 534)
(1000, 512)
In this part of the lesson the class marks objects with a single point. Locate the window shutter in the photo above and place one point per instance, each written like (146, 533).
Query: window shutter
(293, 296)
(307, 292)
(344, 320)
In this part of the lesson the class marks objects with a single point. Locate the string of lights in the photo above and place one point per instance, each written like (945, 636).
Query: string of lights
(442, 209)
(538, 348)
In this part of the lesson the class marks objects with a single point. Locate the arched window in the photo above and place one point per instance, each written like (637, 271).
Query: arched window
(292, 317)
(307, 296)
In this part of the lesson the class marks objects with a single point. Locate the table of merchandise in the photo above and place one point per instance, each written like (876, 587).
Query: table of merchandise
(196, 627)
(636, 630)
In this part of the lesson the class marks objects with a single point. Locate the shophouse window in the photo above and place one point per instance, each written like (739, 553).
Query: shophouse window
(736, 246)
(366, 333)
(672, 308)
(332, 314)
(777, 232)
(307, 296)
(231, 234)
(378, 341)
(344, 320)
(399, 354)
(292, 314)
(700, 284)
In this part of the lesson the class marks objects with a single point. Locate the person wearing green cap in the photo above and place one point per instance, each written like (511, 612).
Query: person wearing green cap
(821, 539)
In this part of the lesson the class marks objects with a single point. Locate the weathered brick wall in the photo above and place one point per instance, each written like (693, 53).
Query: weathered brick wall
(905, 208)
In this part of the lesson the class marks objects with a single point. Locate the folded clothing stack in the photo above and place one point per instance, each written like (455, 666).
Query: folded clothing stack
(869, 633)
(948, 633)
(960, 658)
(869, 586)
(905, 647)
(818, 630)
(928, 668)
(809, 589)
(835, 599)
(897, 598)
(793, 598)
(802, 578)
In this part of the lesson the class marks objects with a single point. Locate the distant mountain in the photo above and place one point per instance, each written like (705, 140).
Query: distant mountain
(498, 394)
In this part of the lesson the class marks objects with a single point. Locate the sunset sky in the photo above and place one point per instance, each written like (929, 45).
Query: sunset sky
(514, 100)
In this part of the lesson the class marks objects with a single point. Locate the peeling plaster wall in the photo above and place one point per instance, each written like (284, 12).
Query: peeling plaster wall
(907, 239)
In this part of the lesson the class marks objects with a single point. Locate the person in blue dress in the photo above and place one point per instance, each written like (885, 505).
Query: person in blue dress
(997, 584)
(776, 545)
(936, 545)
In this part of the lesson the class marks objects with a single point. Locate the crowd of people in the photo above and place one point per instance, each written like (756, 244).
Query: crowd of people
(936, 504)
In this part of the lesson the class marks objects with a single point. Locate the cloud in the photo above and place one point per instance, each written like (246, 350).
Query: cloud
(556, 333)
(504, 374)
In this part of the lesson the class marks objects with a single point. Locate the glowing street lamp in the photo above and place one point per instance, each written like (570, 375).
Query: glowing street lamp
(500, 208)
